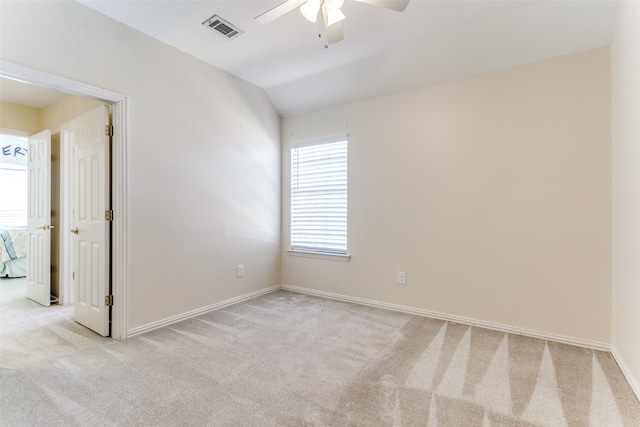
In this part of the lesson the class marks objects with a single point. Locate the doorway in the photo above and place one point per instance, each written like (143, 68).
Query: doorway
(119, 180)
(33, 330)
(80, 173)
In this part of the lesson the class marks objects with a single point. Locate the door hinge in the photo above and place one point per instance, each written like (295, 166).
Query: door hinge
(73, 275)
(108, 300)
(108, 215)
(108, 130)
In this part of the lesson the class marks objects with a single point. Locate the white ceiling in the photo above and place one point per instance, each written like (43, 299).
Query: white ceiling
(383, 51)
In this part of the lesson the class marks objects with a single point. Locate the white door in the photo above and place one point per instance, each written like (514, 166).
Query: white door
(90, 229)
(39, 219)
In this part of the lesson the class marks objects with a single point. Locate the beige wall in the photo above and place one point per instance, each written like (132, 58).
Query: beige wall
(32, 120)
(492, 193)
(625, 135)
(19, 118)
(203, 156)
(65, 109)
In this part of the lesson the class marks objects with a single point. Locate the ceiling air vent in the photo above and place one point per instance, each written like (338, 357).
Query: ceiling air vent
(222, 27)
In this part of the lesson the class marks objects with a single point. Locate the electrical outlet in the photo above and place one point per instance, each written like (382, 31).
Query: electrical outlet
(240, 270)
(402, 278)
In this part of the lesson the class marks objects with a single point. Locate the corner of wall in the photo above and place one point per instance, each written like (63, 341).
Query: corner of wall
(625, 146)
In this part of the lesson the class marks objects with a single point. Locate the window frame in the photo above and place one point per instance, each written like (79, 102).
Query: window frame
(317, 252)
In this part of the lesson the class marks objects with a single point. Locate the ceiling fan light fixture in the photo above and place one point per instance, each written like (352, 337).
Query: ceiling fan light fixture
(310, 10)
(331, 14)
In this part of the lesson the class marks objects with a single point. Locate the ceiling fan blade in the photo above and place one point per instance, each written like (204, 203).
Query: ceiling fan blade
(278, 11)
(397, 5)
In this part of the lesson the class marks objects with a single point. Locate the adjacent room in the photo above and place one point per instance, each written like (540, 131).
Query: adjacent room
(400, 213)
(31, 325)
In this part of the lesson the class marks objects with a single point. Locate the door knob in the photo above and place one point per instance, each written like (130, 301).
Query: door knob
(75, 230)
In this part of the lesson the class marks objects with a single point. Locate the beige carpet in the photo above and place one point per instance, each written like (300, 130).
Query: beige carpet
(31, 333)
(286, 359)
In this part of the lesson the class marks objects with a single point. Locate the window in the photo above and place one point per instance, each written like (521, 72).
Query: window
(13, 181)
(319, 197)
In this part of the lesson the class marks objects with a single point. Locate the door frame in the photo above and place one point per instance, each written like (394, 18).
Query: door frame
(66, 174)
(119, 181)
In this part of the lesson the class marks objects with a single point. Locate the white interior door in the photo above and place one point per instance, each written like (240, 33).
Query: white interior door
(39, 219)
(90, 229)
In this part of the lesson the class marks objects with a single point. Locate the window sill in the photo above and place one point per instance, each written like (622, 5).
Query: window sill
(319, 255)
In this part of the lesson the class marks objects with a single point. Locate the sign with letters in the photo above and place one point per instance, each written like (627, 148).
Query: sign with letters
(13, 150)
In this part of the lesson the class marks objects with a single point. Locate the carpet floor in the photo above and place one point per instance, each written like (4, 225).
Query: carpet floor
(31, 333)
(288, 359)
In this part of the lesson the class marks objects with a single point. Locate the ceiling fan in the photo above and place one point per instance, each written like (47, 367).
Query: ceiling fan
(330, 11)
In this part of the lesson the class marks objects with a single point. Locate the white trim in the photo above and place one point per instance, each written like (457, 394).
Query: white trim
(23, 74)
(626, 371)
(120, 225)
(197, 312)
(119, 187)
(64, 274)
(595, 345)
(319, 141)
(319, 255)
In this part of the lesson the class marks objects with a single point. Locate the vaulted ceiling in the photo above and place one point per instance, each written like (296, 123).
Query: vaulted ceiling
(383, 51)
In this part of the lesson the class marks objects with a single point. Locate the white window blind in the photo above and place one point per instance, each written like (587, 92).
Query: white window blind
(319, 196)
(13, 196)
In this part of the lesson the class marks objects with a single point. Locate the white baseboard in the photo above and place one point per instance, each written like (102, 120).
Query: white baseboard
(184, 316)
(626, 371)
(595, 345)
